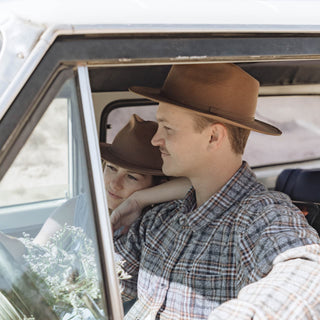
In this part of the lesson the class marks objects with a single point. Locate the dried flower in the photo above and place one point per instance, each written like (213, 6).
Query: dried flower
(59, 280)
(65, 272)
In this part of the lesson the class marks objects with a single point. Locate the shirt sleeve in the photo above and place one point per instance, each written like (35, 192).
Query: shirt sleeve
(290, 291)
(272, 230)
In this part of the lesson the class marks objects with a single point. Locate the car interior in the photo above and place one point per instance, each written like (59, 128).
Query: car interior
(295, 174)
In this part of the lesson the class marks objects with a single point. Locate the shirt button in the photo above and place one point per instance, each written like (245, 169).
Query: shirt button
(182, 221)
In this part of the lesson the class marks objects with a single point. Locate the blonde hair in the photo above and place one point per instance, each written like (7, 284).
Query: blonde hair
(237, 136)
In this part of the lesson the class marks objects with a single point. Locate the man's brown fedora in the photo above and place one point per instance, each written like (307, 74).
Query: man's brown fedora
(132, 149)
(222, 91)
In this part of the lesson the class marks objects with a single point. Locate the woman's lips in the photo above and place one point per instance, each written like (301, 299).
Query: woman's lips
(112, 195)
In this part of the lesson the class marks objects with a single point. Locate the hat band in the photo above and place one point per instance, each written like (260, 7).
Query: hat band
(209, 110)
(230, 115)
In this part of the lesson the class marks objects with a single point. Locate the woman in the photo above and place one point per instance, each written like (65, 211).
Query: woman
(132, 172)
(131, 163)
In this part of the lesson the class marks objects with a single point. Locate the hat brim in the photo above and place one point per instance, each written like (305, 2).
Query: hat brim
(108, 154)
(156, 95)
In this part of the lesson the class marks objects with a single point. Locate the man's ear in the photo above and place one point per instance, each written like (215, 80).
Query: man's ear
(218, 134)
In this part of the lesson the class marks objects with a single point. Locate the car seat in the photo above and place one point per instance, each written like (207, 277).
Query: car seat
(303, 187)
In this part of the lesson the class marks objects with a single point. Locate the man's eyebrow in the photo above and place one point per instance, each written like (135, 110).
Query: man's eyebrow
(161, 119)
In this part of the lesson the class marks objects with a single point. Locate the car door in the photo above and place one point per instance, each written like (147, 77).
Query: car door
(54, 185)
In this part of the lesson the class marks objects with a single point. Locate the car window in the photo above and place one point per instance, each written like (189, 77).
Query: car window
(297, 116)
(50, 268)
(120, 116)
(41, 167)
(299, 119)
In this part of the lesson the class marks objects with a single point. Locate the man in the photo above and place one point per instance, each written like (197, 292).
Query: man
(192, 257)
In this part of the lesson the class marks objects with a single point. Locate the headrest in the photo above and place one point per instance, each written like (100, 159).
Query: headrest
(300, 184)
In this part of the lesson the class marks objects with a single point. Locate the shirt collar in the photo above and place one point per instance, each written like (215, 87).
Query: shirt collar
(240, 185)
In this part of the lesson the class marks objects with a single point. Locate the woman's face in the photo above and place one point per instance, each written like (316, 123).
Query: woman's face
(120, 183)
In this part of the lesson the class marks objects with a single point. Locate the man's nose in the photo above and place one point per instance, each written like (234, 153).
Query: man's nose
(156, 139)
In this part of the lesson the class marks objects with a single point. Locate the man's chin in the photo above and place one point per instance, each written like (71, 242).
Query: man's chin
(169, 171)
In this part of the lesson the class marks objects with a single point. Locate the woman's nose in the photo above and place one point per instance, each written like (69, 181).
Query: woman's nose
(116, 183)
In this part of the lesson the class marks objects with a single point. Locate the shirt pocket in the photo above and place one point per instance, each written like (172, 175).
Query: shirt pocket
(152, 260)
(209, 285)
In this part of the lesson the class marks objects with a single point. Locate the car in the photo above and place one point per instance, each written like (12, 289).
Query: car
(65, 71)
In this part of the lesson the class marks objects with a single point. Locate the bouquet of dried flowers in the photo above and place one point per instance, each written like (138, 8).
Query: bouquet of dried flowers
(62, 275)
(65, 271)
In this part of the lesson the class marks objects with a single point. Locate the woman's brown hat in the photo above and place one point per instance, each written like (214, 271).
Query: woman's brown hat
(132, 149)
(222, 91)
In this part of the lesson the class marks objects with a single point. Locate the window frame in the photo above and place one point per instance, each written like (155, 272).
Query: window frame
(100, 207)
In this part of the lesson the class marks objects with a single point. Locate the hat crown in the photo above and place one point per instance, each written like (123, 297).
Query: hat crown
(223, 89)
(132, 148)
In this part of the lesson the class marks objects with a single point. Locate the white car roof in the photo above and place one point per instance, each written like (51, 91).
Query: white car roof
(245, 12)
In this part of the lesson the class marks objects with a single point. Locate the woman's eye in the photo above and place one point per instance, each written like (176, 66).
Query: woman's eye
(112, 168)
(132, 177)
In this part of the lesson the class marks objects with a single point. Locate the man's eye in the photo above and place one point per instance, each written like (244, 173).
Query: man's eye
(167, 128)
(132, 177)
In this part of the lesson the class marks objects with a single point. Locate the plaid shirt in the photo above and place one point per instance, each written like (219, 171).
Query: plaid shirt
(290, 291)
(185, 262)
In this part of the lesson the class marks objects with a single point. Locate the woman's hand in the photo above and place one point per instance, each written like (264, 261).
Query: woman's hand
(125, 214)
(131, 209)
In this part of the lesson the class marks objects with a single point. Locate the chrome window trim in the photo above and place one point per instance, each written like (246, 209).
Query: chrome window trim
(104, 232)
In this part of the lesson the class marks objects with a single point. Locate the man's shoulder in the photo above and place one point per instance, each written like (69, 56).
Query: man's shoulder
(266, 205)
(263, 197)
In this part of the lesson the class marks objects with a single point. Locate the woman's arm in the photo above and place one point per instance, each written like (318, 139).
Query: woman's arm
(167, 191)
(61, 216)
(131, 208)
(14, 246)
